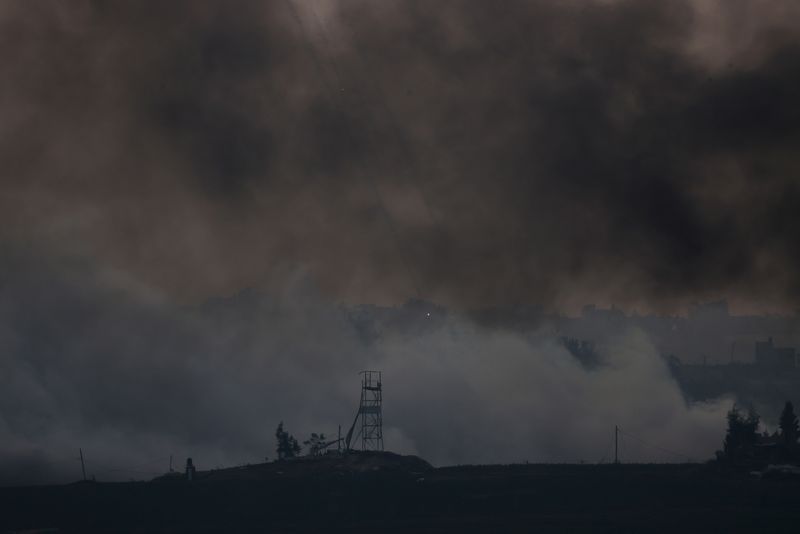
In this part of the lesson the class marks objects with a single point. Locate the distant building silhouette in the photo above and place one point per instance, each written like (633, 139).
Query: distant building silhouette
(768, 355)
(709, 311)
(591, 311)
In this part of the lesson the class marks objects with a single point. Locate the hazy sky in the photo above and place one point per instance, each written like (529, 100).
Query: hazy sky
(469, 152)
(154, 155)
(87, 364)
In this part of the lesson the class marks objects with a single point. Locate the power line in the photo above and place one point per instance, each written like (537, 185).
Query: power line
(657, 447)
(610, 447)
(116, 469)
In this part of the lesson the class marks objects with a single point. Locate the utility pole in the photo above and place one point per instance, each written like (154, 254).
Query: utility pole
(83, 466)
(339, 441)
(616, 444)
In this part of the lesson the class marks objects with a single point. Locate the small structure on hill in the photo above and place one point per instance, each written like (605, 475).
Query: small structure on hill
(768, 355)
(370, 412)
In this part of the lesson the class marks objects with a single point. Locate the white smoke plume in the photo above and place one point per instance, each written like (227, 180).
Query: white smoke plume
(90, 363)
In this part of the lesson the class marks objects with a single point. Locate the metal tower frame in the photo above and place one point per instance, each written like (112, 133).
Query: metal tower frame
(371, 412)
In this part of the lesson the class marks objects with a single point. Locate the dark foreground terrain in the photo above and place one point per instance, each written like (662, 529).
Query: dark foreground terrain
(369, 493)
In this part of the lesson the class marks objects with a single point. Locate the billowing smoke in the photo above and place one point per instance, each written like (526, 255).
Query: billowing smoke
(636, 152)
(471, 153)
(88, 361)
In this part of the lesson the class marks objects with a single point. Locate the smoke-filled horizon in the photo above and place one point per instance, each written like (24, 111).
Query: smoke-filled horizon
(155, 156)
(90, 363)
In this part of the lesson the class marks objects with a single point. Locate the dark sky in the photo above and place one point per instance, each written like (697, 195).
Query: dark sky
(636, 152)
(157, 157)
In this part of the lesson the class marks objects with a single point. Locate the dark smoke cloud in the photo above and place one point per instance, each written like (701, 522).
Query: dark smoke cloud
(560, 152)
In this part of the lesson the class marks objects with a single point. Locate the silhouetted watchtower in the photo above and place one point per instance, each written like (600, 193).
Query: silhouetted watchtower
(371, 411)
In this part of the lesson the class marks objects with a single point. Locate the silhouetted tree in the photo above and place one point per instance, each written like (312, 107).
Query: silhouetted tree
(287, 445)
(741, 437)
(789, 426)
(316, 444)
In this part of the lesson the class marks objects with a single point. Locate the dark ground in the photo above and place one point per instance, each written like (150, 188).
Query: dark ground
(371, 496)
